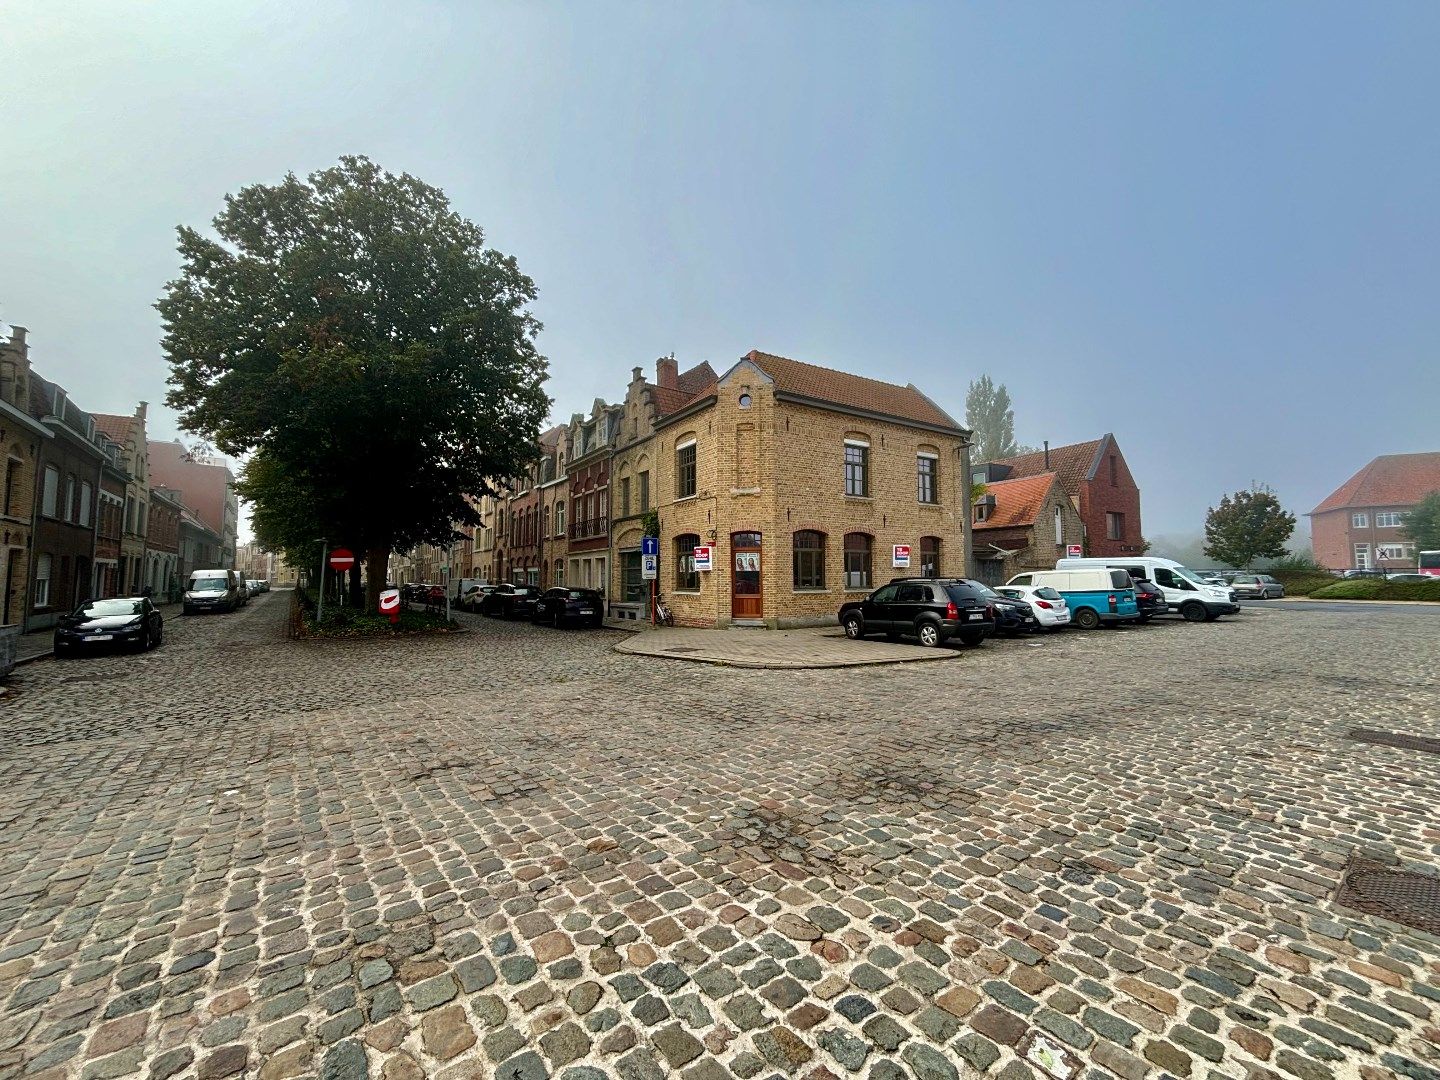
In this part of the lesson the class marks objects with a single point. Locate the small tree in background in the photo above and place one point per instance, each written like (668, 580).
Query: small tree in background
(1422, 524)
(992, 421)
(1246, 526)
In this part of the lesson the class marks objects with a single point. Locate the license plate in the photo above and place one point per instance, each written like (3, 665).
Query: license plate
(98, 637)
(975, 615)
(587, 611)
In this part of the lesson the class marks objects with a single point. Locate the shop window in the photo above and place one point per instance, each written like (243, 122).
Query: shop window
(809, 556)
(859, 549)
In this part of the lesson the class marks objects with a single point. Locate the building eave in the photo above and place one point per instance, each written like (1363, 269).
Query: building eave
(25, 420)
(867, 414)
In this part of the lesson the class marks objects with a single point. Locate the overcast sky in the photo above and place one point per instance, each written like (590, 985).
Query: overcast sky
(1210, 228)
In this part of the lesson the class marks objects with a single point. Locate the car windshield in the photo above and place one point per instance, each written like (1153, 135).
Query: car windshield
(99, 609)
(578, 594)
(208, 584)
(984, 590)
(967, 590)
(1047, 593)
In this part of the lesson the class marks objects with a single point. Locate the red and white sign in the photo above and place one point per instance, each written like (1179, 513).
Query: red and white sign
(390, 604)
(704, 557)
(341, 559)
(1074, 551)
(900, 556)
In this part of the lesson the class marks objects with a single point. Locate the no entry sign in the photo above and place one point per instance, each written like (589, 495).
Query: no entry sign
(341, 559)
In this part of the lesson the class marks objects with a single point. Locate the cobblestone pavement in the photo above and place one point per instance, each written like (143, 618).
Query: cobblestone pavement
(517, 853)
(812, 648)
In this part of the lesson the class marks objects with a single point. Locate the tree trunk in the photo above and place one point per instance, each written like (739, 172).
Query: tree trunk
(377, 565)
(357, 595)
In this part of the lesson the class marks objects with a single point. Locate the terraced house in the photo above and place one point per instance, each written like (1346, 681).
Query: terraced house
(808, 485)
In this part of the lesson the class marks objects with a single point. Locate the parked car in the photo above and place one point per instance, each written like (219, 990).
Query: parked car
(1412, 577)
(211, 590)
(510, 601)
(129, 621)
(560, 605)
(1257, 587)
(1095, 594)
(1149, 599)
(471, 596)
(1196, 600)
(1363, 574)
(1047, 605)
(1012, 617)
(932, 609)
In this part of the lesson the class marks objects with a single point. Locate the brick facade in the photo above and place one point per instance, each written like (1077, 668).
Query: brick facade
(1031, 536)
(20, 439)
(771, 461)
(1361, 524)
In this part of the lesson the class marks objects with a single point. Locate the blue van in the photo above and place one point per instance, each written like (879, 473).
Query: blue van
(1095, 595)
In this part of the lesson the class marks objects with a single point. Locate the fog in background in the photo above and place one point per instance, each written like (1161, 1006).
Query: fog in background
(1208, 228)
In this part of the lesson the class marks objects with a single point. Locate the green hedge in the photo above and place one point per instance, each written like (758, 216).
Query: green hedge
(352, 622)
(1378, 589)
(1301, 582)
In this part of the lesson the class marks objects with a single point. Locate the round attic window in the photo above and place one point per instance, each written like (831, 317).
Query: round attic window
(744, 401)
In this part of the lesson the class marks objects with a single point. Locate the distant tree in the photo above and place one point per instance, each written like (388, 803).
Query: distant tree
(1422, 524)
(1246, 526)
(989, 416)
(355, 334)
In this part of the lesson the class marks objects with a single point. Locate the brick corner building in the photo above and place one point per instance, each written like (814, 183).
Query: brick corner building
(1097, 480)
(1361, 524)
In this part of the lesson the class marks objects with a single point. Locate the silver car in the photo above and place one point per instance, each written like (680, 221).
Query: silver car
(1256, 587)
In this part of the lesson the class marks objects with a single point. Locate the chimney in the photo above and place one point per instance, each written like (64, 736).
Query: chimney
(1047, 455)
(17, 336)
(667, 372)
(141, 410)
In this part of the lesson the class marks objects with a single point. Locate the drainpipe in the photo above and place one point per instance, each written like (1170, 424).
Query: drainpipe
(966, 531)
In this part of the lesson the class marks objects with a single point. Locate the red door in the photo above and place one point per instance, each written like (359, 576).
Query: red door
(746, 595)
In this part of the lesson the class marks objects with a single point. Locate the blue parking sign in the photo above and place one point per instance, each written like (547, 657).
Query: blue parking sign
(649, 545)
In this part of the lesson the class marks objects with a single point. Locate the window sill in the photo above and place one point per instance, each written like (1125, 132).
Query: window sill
(811, 592)
(860, 498)
(685, 498)
(684, 592)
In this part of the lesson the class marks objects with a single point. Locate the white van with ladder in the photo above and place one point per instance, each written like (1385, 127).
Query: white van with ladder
(1182, 588)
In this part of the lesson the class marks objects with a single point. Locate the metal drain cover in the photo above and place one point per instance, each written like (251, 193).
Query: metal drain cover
(1403, 742)
(1402, 896)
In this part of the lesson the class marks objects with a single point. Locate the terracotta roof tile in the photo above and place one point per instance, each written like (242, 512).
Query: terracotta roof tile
(1389, 480)
(119, 428)
(691, 384)
(852, 391)
(1017, 502)
(1070, 463)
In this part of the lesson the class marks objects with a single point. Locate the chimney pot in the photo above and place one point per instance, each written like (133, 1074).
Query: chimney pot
(1047, 455)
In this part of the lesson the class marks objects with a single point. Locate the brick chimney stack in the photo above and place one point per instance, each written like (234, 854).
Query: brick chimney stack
(667, 372)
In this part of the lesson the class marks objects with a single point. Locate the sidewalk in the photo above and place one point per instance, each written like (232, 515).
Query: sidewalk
(821, 647)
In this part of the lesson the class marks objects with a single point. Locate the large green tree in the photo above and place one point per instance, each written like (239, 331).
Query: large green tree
(356, 335)
(991, 419)
(1246, 526)
(1422, 523)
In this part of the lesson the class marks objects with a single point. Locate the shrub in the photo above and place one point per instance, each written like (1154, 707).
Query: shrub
(1379, 589)
(353, 622)
(1302, 582)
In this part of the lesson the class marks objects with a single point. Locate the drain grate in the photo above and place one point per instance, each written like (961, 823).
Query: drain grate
(1402, 896)
(1403, 742)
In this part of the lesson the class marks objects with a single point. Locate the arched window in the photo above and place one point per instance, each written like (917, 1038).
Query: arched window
(929, 556)
(687, 578)
(858, 557)
(809, 557)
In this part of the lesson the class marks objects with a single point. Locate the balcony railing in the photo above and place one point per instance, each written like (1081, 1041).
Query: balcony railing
(583, 530)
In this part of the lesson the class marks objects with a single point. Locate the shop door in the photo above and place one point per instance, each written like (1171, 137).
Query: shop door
(746, 597)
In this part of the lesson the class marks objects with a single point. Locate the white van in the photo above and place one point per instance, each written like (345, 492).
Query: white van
(1095, 596)
(1182, 588)
(211, 590)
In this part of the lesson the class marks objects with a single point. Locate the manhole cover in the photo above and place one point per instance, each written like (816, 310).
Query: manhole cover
(682, 648)
(1403, 742)
(1402, 896)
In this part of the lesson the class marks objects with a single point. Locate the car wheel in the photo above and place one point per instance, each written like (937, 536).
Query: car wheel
(1086, 618)
(145, 640)
(854, 627)
(929, 634)
(556, 619)
(972, 637)
(1193, 612)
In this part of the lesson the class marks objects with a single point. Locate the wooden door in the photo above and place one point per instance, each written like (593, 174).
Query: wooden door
(746, 593)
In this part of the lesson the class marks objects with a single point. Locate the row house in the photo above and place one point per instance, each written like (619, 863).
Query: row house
(21, 438)
(162, 545)
(592, 442)
(809, 486)
(128, 433)
(206, 485)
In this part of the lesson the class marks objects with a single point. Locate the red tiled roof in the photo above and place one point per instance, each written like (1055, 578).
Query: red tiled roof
(1017, 502)
(853, 391)
(1389, 480)
(689, 385)
(1071, 463)
(119, 428)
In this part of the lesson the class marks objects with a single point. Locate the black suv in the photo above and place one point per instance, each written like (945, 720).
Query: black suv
(1149, 598)
(933, 609)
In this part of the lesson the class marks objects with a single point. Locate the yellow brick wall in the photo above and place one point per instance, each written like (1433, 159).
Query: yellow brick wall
(777, 467)
(16, 529)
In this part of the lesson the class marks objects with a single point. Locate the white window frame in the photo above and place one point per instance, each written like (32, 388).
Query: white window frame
(69, 514)
(50, 495)
(1359, 521)
(924, 455)
(1389, 519)
(1394, 552)
(42, 581)
(1059, 526)
(1361, 555)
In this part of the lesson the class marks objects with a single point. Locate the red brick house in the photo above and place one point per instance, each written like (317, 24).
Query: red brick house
(1361, 525)
(1023, 524)
(1100, 486)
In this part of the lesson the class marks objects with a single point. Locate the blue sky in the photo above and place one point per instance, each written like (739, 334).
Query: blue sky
(1210, 228)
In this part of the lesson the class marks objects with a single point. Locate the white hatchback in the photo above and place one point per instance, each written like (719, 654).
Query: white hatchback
(1048, 605)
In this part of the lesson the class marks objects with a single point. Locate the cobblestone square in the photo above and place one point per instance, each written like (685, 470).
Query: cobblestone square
(518, 853)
